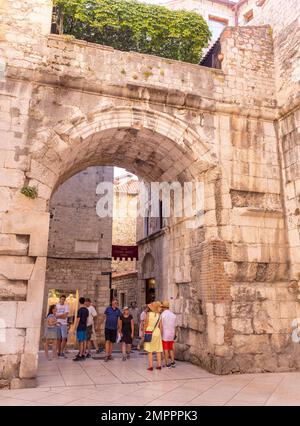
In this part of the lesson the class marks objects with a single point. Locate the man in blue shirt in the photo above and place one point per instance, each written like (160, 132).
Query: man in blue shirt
(112, 314)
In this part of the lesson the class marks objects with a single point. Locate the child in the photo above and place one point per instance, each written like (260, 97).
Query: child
(80, 328)
(126, 330)
(51, 332)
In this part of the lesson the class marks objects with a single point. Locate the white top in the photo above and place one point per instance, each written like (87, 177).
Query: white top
(62, 309)
(92, 315)
(168, 320)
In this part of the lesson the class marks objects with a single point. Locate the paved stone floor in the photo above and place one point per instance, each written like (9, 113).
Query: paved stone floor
(94, 382)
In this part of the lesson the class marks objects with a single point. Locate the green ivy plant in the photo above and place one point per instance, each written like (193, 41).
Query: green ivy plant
(132, 26)
(30, 191)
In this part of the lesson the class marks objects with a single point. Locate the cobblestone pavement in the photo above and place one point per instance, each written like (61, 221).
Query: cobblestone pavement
(118, 382)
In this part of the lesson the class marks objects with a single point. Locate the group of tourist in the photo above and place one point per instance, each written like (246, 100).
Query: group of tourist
(57, 328)
(156, 326)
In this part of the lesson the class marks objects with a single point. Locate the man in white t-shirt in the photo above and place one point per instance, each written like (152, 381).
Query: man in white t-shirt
(90, 331)
(168, 320)
(62, 312)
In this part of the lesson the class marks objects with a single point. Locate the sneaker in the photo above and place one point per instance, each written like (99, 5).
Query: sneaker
(158, 368)
(98, 351)
(77, 358)
(124, 358)
(173, 364)
(169, 366)
(62, 355)
(110, 357)
(88, 355)
(106, 359)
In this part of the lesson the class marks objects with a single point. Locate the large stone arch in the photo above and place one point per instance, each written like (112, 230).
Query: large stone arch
(152, 144)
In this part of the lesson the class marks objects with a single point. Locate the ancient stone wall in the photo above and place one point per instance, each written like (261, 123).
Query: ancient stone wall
(124, 223)
(68, 105)
(126, 283)
(79, 240)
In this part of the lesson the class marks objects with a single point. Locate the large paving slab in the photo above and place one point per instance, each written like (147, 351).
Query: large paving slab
(94, 382)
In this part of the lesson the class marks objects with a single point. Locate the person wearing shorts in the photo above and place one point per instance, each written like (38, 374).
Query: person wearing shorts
(168, 320)
(126, 331)
(112, 314)
(62, 312)
(90, 325)
(51, 332)
(80, 328)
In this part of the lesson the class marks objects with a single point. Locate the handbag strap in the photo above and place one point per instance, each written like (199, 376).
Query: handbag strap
(156, 324)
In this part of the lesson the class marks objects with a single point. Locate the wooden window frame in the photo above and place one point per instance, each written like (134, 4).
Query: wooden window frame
(248, 16)
(218, 19)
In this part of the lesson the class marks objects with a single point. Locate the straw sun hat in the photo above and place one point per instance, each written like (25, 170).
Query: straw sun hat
(155, 306)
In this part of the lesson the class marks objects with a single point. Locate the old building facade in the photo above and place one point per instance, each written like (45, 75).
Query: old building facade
(233, 280)
(79, 246)
(124, 233)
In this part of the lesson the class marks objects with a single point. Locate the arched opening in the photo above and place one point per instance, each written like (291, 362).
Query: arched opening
(157, 148)
(94, 143)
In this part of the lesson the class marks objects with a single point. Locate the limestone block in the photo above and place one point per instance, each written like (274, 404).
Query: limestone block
(13, 245)
(269, 130)
(35, 287)
(279, 342)
(23, 203)
(29, 223)
(22, 163)
(9, 366)
(297, 186)
(11, 178)
(15, 271)
(8, 312)
(14, 342)
(265, 362)
(215, 333)
(220, 309)
(42, 174)
(294, 237)
(209, 309)
(288, 309)
(242, 325)
(12, 290)
(224, 351)
(251, 344)
(29, 314)
(5, 197)
(22, 383)
(28, 366)
(178, 305)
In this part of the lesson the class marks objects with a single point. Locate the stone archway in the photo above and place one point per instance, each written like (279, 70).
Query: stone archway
(153, 145)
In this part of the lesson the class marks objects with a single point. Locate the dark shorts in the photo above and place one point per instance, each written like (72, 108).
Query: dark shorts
(81, 335)
(110, 335)
(89, 332)
(126, 338)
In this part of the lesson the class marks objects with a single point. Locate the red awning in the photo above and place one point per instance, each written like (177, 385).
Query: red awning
(124, 252)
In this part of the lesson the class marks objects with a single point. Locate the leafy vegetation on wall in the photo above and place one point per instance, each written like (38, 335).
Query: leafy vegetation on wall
(132, 26)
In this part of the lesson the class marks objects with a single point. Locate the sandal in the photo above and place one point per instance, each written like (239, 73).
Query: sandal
(150, 368)
(158, 368)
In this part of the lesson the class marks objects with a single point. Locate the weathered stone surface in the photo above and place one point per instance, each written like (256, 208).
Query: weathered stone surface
(14, 341)
(8, 313)
(220, 127)
(13, 244)
(23, 383)
(251, 344)
(242, 325)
